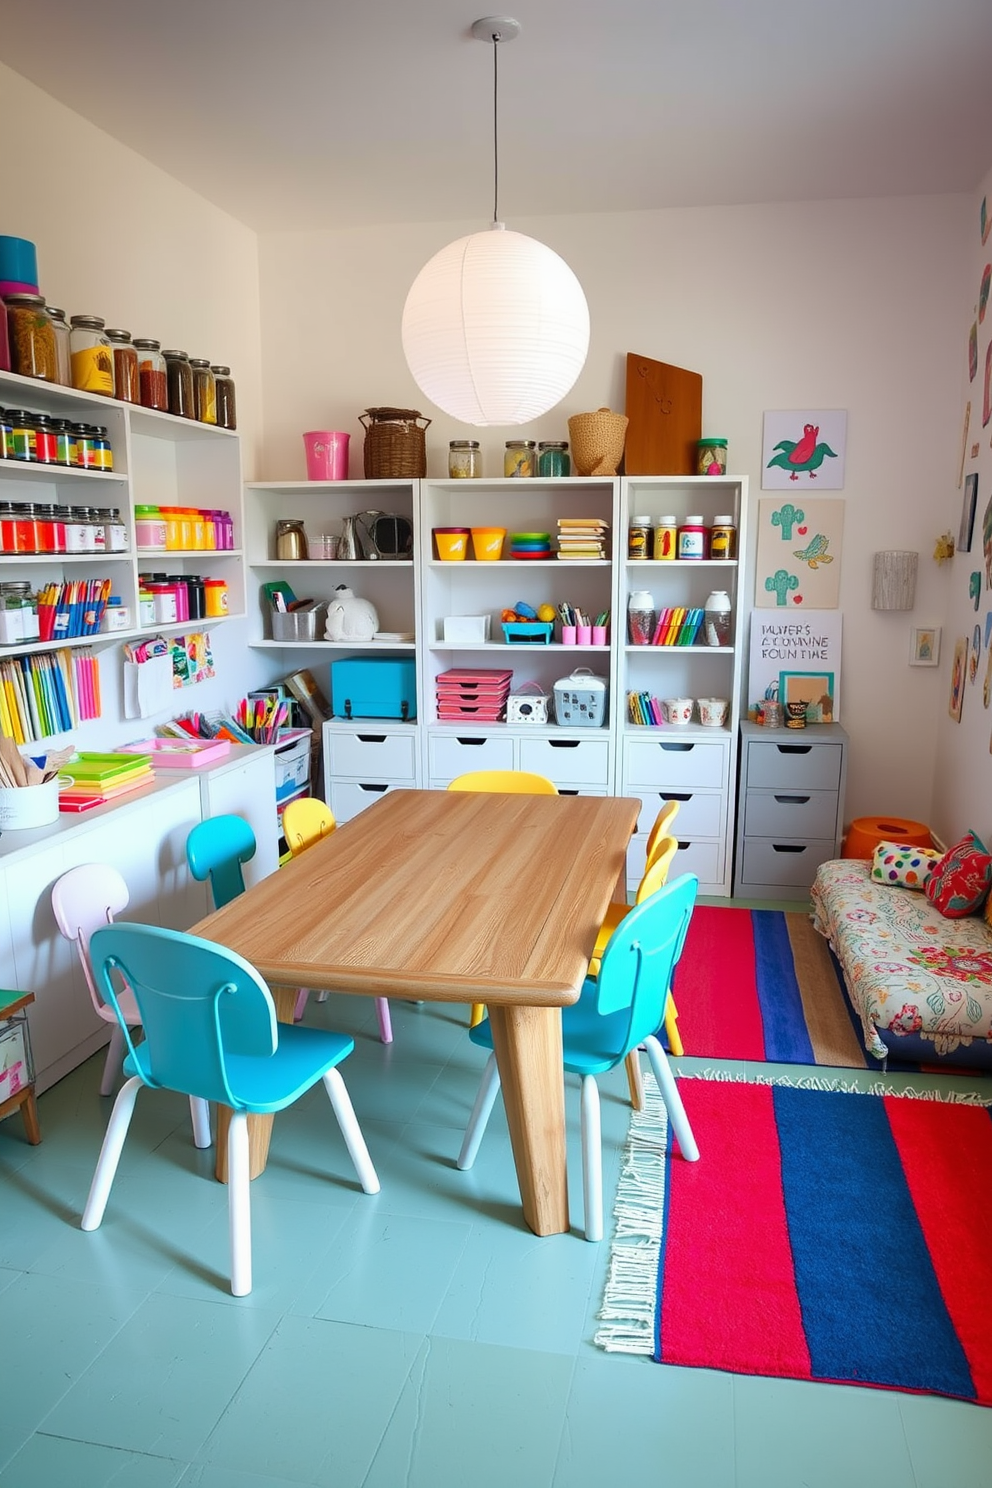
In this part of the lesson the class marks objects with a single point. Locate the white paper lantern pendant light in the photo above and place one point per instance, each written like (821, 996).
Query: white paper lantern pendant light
(495, 326)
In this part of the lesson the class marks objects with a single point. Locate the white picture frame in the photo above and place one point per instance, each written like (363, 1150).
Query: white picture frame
(924, 645)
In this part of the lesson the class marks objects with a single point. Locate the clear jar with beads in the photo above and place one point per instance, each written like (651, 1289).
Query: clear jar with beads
(464, 462)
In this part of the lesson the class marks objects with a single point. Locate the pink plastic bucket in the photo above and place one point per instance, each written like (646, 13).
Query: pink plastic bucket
(327, 455)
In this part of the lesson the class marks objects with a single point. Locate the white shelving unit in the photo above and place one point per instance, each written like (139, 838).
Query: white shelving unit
(158, 460)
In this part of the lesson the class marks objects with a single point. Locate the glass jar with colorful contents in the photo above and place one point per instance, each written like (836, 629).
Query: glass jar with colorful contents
(179, 375)
(552, 458)
(60, 329)
(227, 414)
(127, 385)
(204, 391)
(518, 458)
(711, 458)
(32, 339)
(153, 385)
(91, 355)
(463, 459)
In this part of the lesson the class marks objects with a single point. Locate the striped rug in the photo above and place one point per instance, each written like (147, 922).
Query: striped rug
(762, 984)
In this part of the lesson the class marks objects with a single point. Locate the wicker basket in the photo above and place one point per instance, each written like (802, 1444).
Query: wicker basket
(394, 443)
(597, 441)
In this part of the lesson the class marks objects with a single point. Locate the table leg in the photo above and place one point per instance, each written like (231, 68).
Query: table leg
(259, 1127)
(527, 1041)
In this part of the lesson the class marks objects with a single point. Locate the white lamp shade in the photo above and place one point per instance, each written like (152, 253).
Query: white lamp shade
(495, 328)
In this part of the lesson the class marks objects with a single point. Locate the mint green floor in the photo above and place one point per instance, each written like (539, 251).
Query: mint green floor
(420, 1337)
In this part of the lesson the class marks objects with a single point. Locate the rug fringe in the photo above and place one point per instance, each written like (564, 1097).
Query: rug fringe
(836, 1083)
(630, 1294)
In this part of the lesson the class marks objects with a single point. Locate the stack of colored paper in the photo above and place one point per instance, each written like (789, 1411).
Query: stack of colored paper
(582, 538)
(477, 693)
(103, 777)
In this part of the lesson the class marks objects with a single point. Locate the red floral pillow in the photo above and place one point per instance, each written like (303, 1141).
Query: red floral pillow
(961, 880)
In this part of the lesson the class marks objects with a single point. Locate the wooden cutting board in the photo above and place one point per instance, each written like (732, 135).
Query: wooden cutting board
(665, 410)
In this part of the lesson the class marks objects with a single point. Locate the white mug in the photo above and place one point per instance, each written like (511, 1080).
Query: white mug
(713, 711)
(676, 710)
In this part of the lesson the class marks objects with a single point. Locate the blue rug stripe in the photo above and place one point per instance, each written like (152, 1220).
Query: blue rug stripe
(782, 1017)
(871, 1305)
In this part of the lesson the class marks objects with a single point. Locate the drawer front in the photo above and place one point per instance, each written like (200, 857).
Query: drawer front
(767, 861)
(781, 765)
(675, 763)
(700, 813)
(349, 797)
(803, 815)
(367, 753)
(566, 760)
(451, 756)
(694, 855)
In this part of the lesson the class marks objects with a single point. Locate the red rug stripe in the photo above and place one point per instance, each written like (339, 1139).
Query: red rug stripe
(715, 987)
(946, 1154)
(730, 1215)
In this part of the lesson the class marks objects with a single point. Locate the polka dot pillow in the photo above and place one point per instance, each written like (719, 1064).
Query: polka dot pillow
(904, 866)
(959, 884)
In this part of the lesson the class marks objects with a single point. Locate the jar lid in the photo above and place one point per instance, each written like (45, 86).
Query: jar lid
(644, 521)
(53, 313)
(640, 599)
(702, 442)
(463, 444)
(87, 322)
(724, 521)
(221, 371)
(23, 299)
(561, 444)
(146, 344)
(520, 444)
(120, 336)
(199, 362)
(695, 520)
(181, 354)
(18, 415)
(668, 521)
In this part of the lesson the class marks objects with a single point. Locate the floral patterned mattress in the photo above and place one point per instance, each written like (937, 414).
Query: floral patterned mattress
(909, 969)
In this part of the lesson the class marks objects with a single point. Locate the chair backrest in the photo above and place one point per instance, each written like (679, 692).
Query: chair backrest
(199, 1003)
(82, 900)
(656, 873)
(215, 850)
(662, 827)
(304, 822)
(641, 955)
(506, 782)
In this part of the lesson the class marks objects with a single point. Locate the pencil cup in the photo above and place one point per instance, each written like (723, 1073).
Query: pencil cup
(599, 635)
(583, 635)
(568, 635)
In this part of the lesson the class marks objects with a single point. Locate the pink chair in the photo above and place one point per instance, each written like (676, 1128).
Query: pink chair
(84, 899)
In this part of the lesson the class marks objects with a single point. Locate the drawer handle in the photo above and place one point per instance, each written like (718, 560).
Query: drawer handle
(683, 845)
(677, 748)
(474, 742)
(376, 790)
(371, 738)
(792, 800)
(674, 796)
(563, 792)
(794, 748)
(788, 847)
(563, 743)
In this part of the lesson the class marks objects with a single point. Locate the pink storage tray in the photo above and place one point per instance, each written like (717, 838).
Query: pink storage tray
(179, 754)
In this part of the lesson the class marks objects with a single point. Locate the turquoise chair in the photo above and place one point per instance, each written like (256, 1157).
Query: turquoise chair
(211, 1032)
(617, 1011)
(215, 850)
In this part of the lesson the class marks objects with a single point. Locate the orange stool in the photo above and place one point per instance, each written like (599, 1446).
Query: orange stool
(866, 832)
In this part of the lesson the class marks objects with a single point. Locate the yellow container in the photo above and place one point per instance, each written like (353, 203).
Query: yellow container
(487, 543)
(451, 543)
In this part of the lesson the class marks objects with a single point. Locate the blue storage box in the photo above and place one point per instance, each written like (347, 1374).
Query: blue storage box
(374, 687)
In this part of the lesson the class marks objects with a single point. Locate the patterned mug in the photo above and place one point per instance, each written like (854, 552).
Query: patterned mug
(713, 711)
(676, 710)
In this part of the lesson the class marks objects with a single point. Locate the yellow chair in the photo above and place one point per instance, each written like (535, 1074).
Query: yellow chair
(662, 827)
(304, 822)
(619, 908)
(507, 783)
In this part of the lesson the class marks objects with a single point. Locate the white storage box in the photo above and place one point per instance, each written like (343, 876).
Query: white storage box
(580, 700)
(292, 763)
(529, 704)
(471, 628)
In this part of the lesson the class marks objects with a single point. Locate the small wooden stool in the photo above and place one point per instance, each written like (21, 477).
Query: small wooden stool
(16, 1063)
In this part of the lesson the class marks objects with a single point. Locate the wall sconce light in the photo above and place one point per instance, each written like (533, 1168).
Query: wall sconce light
(893, 585)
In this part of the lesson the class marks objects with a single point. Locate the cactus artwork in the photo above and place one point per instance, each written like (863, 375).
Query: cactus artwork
(786, 517)
(780, 584)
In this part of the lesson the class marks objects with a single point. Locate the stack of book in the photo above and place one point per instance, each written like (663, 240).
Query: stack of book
(97, 778)
(473, 694)
(582, 538)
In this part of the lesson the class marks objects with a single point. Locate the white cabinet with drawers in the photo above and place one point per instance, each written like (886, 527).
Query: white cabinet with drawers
(790, 814)
(694, 769)
(365, 758)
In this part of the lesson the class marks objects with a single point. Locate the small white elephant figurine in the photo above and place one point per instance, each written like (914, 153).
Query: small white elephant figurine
(350, 618)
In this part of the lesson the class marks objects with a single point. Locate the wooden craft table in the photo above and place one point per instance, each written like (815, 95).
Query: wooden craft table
(454, 897)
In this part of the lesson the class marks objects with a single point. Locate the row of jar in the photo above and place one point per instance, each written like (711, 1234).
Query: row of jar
(37, 439)
(164, 599)
(82, 353)
(37, 527)
(160, 529)
(521, 457)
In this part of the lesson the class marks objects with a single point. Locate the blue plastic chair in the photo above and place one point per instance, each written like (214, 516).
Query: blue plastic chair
(617, 1011)
(210, 1031)
(215, 850)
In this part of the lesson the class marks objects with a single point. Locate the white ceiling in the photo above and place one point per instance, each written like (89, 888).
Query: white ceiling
(304, 114)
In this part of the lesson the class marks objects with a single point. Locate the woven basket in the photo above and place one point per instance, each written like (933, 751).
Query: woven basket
(597, 441)
(394, 443)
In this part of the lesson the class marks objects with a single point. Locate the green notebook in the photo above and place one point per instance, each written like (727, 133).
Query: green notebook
(100, 767)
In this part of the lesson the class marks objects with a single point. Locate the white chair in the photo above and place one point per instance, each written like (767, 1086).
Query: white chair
(83, 900)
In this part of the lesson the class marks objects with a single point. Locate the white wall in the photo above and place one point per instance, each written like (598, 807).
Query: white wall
(963, 775)
(117, 237)
(850, 305)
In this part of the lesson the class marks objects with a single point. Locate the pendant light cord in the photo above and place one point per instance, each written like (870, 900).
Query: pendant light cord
(496, 40)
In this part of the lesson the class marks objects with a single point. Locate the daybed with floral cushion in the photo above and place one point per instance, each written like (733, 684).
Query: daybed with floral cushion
(920, 982)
